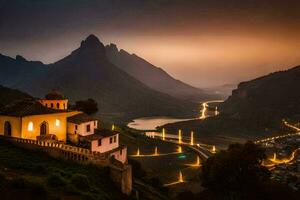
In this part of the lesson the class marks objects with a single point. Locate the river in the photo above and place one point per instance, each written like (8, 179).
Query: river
(150, 123)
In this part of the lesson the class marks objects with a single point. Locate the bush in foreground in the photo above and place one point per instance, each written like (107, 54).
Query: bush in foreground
(237, 173)
(80, 181)
(55, 180)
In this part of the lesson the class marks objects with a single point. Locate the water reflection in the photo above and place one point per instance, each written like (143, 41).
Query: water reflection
(150, 123)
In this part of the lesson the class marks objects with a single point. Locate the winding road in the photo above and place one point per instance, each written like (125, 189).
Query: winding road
(203, 150)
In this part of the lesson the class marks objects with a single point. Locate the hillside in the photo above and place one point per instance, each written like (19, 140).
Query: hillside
(87, 73)
(28, 174)
(14, 72)
(154, 77)
(8, 95)
(255, 109)
(266, 100)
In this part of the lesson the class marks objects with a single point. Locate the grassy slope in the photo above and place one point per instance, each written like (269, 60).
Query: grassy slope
(155, 171)
(34, 175)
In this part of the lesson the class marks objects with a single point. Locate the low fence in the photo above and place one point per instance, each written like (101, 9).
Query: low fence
(57, 149)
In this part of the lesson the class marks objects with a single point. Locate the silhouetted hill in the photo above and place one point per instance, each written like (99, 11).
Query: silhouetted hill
(87, 73)
(8, 95)
(14, 72)
(154, 77)
(267, 99)
(255, 109)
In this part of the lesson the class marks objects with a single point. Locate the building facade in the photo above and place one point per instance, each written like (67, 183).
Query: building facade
(40, 119)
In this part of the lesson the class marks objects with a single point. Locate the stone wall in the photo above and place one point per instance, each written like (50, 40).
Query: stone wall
(122, 176)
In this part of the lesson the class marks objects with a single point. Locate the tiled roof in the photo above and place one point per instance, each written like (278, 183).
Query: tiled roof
(106, 132)
(81, 118)
(55, 95)
(99, 134)
(27, 107)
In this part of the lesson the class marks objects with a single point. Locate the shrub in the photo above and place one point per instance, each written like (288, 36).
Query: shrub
(88, 106)
(88, 196)
(40, 168)
(2, 179)
(19, 183)
(60, 172)
(38, 189)
(71, 189)
(55, 180)
(80, 181)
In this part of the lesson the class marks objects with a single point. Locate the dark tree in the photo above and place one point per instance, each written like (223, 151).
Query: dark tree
(88, 106)
(236, 169)
(237, 173)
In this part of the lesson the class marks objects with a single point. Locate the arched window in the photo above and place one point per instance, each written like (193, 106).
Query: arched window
(7, 128)
(64, 106)
(57, 105)
(57, 122)
(44, 128)
(46, 105)
(30, 126)
(51, 105)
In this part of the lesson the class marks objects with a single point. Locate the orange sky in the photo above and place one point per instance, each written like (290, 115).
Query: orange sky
(216, 60)
(203, 42)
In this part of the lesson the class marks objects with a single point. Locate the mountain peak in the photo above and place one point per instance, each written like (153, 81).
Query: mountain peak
(92, 39)
(92, 43)
(112, 47)
(20, 58)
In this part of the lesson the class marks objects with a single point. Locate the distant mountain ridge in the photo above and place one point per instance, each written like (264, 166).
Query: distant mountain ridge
(88, 73)
(154, 77)
(14, 72)
(266, 99)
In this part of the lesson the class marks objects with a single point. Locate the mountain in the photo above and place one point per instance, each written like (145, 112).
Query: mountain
(223, 91)
(14, 72)
(8, 95)
(255, 109)
(154, 77)
(88, 73)
(266, 100)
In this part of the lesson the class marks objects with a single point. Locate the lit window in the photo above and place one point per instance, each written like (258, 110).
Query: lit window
(57, 122)
(30, 126)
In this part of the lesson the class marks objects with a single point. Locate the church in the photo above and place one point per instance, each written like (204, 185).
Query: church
(50, 119)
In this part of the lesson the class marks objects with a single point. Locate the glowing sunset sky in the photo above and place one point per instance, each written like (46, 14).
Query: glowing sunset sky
(202, 42)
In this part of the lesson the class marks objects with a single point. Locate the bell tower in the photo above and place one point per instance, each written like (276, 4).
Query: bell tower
(55, 100)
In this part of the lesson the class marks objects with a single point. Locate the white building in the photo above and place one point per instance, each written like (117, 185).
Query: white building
(50, 118)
